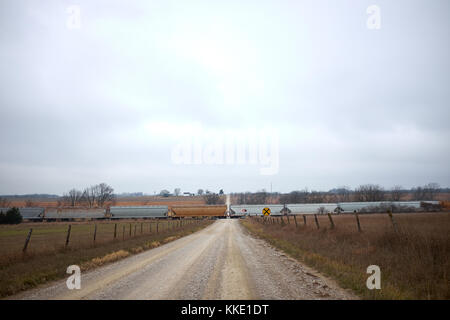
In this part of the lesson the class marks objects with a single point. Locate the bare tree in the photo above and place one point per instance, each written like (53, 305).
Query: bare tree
(433, 189)
(90, 196)
(94, 196)
(213, 198)
(177, 191)
(72, 198)
(259, 197)
(427, 192)
(315, 197)
(396, 193)
(241, 198)
(105, 193)
(295, 196)
(369, 192)
(200, 192)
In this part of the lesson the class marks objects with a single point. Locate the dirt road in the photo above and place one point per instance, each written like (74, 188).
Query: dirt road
(219, 262)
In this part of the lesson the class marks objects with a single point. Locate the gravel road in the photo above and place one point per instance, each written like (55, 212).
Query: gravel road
(221, 261)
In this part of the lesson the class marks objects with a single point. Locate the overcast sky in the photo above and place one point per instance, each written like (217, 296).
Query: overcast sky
(123, 91)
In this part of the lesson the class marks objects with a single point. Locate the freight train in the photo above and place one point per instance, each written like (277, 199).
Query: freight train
(341, 207)
(219, 211)
(124, 212)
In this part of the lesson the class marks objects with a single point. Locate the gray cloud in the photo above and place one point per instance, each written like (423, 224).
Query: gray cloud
(110, 101)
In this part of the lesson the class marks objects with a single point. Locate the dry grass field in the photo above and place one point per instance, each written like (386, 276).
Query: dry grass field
(414, 262)
(48, 237)
(47, 257)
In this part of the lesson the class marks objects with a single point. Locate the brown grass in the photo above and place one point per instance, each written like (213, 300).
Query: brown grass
(110, 257)
(414, 262)
(50, 237)
(48, 258)
(125, 201)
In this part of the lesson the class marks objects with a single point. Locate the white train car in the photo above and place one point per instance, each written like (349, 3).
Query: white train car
(255, 209)
(31, 213)
(142, 212)
(67, 214)
(311, 208)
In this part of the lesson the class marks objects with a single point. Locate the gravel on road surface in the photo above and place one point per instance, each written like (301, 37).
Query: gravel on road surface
(221, 261)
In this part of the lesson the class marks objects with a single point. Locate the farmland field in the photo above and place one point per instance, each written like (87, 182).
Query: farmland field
(51, 236)
(47, 257)
(414, 261)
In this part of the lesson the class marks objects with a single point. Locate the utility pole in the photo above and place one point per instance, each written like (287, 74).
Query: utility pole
(270, 192)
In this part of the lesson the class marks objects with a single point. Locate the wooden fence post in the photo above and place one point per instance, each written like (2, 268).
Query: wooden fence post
(123, 234)
(27, 240)
(295, 220)
(304, 220)
(130, 229)
(357, 221)
(394, 224)
(141, 227)
(95, 232)
(68, 235)
(287, 217)
(331, 220)
(150, 227)
(115, 230)
(156, 226)
(282, 221)
(317, 221)
(135, 230)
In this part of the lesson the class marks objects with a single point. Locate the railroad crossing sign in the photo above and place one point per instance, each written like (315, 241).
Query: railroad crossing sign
(266, 211)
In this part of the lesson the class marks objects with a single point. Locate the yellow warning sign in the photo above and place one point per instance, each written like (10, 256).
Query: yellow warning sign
(266, 211)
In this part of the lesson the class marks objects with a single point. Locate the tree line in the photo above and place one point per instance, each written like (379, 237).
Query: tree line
(362, 193)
